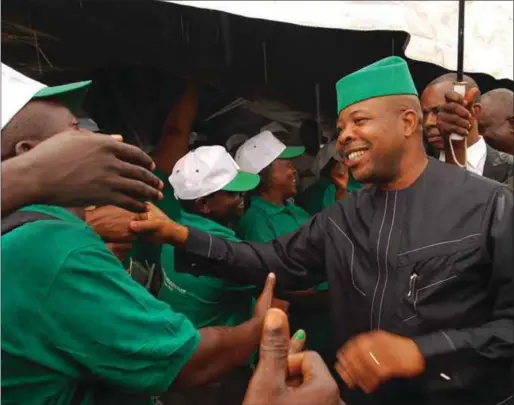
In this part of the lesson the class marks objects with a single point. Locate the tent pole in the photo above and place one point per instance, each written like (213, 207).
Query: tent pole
(460, 43)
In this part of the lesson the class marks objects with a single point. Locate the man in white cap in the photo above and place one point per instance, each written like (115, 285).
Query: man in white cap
(76, 328)
(72, 168)
(210, 188)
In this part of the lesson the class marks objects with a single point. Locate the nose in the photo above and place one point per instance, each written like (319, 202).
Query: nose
(345, 137)
(431, 119)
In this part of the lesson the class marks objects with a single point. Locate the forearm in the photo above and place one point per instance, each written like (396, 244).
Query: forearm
(494, 340)
(174, 142)
(221, 350)
(19, 188)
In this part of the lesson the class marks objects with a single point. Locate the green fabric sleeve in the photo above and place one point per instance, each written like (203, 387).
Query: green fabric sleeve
(113, 327)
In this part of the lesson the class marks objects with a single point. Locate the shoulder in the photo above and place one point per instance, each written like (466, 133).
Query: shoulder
(498, 157)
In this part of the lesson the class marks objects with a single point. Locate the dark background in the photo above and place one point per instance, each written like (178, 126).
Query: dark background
(139, 52)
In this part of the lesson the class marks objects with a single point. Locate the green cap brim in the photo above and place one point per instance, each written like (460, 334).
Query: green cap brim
(71, 95)
(243, 182)
(291, 152)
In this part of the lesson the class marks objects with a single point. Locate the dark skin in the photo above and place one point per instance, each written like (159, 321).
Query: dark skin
(386, 132)
(281, 183)
(221, 206)
(174, 142)
(390, 132)
(496, 121)
(432, 99)
(455, 117)
(72, 167)
(283, 378)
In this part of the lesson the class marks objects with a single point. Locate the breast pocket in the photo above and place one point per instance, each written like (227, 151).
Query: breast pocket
(439, 285)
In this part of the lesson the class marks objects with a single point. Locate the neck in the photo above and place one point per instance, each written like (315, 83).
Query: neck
(273, 197)
(473, 136)
(409, 172)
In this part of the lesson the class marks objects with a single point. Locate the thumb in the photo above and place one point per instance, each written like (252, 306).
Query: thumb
(470, 96)
(268, 291)
(118, 138)
(275, 345)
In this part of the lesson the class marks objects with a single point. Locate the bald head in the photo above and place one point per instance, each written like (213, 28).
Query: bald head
(37, 121)
(496, 121)
(433, 98)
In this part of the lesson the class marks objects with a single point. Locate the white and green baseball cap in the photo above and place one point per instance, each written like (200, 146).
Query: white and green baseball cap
(261, 150)
(208, 169)
(18, 90)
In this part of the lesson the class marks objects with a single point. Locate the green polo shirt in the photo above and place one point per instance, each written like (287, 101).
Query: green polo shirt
(322, 194)
(264, 222)
(318, 196)
(146, 252)
(73, 317)
(206, 301)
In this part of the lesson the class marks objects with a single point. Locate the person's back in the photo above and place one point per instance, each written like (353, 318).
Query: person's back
(61, 279)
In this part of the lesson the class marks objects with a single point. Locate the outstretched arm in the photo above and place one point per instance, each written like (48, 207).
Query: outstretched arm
(297, 258)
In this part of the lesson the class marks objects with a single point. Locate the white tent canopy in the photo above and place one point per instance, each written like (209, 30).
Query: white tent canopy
(432, 26)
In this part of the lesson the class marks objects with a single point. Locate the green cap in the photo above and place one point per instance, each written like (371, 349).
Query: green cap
(243, 182)
(387, 77)
(71, 95)
(290, 152)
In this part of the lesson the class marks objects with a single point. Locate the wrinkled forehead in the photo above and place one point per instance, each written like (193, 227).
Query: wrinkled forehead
(433, 95)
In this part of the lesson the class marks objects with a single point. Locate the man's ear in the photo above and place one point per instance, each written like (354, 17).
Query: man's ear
(24, 146)
(476, 109)
(411, 122)
(203, 206)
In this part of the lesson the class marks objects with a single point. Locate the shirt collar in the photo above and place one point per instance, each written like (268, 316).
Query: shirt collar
(268, 207)
(477, 152)
(59, 212)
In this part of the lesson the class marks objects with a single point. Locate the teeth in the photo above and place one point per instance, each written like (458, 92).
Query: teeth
(355, 155)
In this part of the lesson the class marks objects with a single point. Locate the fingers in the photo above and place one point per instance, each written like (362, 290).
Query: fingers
(132, 154)
(471, 96)
(126, 202)
(448, 124)
(268, 292)
(145, 226)
(317, 386)
(453, 97)
(275, 344)
(297, 342)
(117, 138)
(136, 189)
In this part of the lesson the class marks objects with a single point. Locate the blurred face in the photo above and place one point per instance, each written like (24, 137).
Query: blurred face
(283, 177)
(222, 206)
(371, 139)
(497, 127)
(37, 121)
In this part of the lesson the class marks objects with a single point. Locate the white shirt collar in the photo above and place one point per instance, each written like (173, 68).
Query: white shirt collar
(476, 155)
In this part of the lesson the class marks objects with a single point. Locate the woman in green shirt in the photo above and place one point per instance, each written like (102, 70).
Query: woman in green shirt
(272, 214)
(334, 181)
